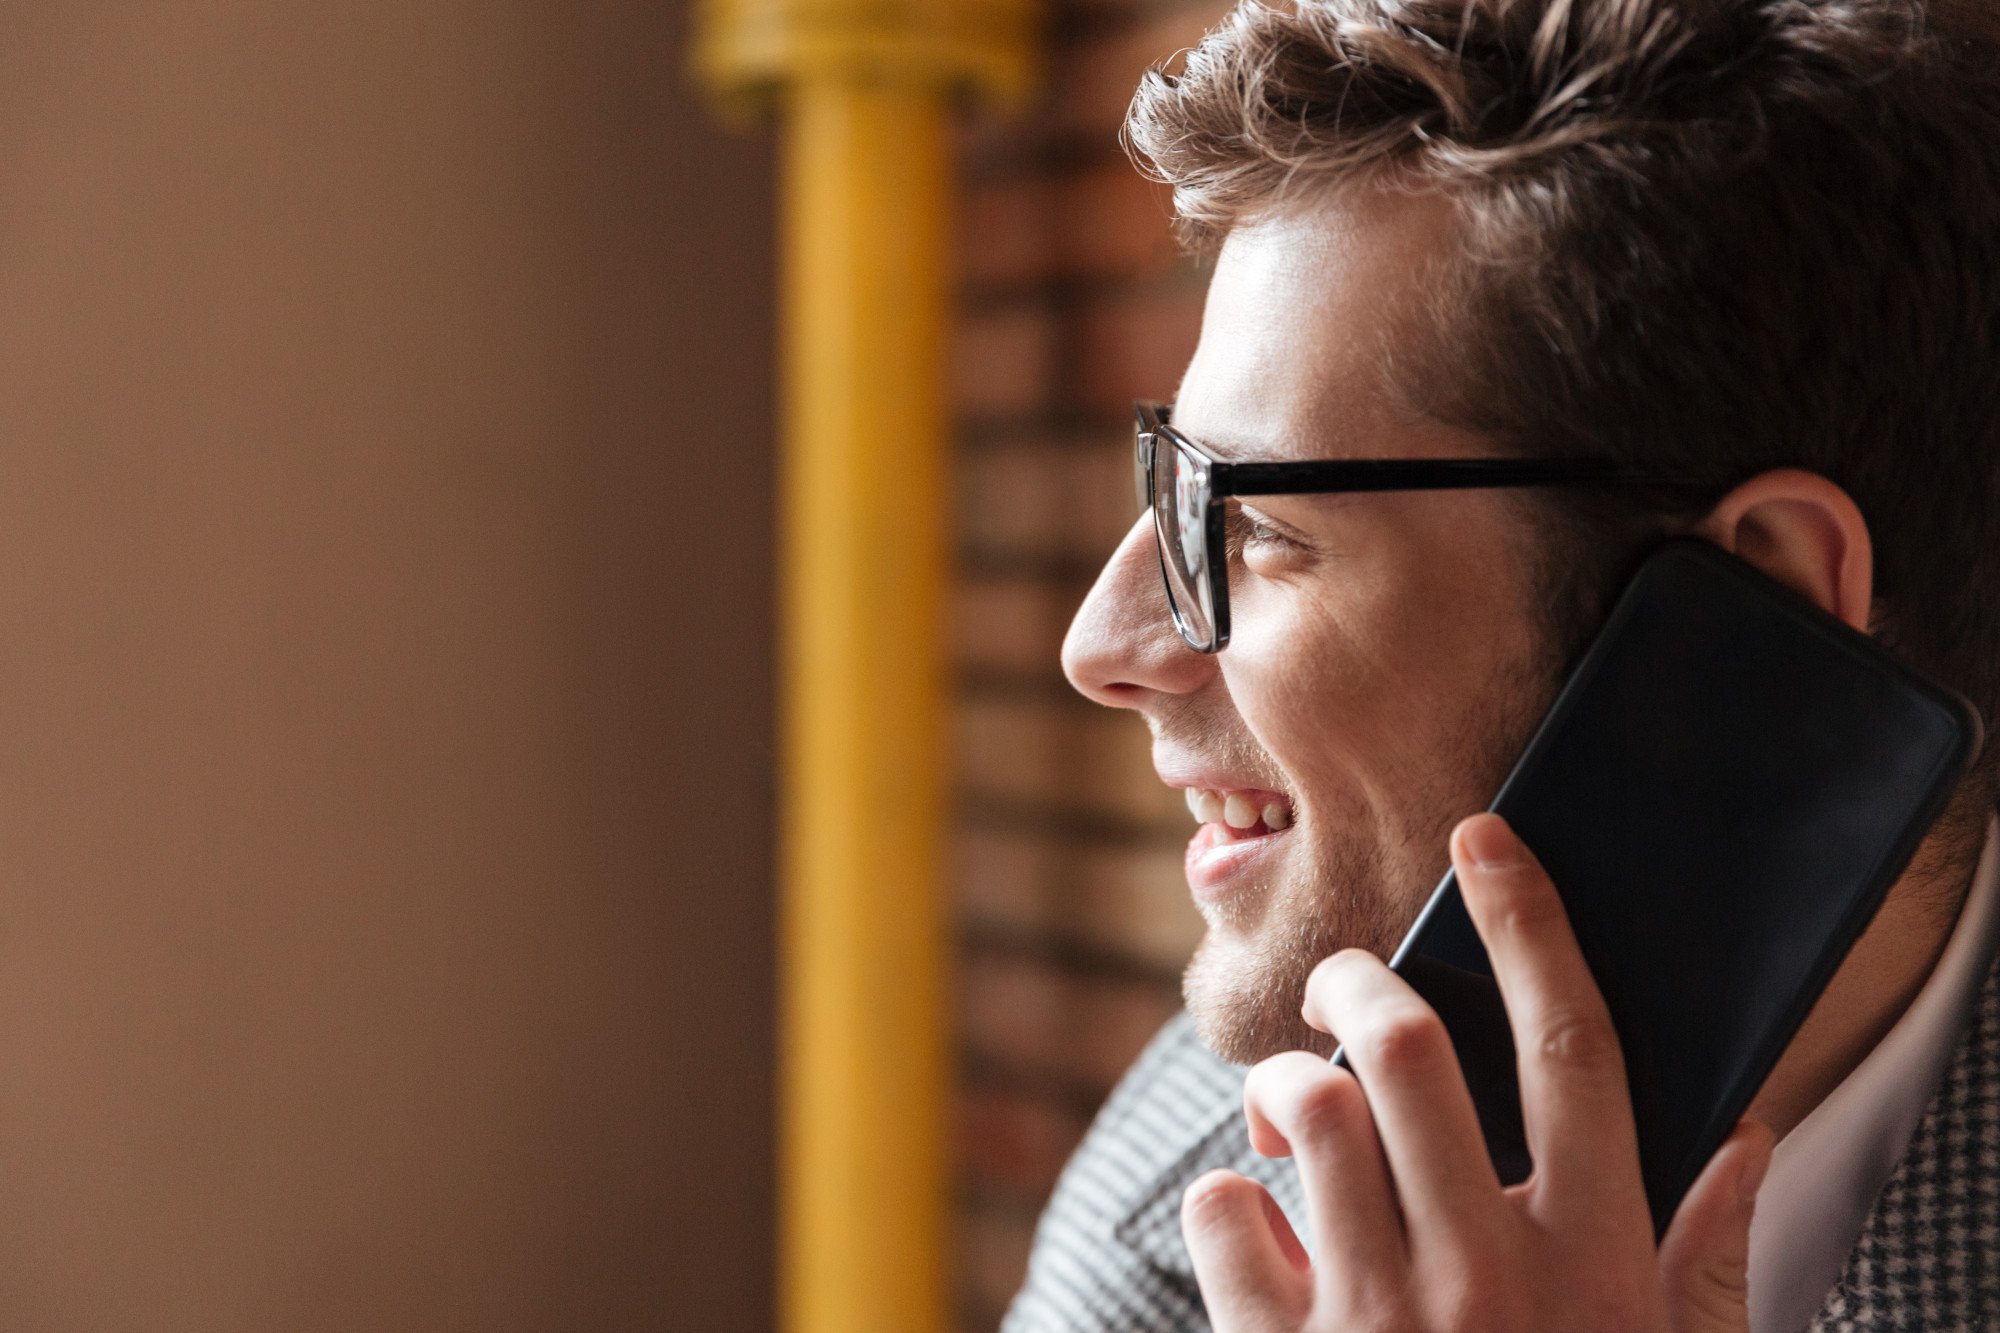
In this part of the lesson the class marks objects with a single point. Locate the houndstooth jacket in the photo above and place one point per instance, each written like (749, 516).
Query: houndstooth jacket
(1108, 1254)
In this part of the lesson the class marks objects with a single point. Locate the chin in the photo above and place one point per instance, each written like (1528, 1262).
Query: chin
(1245, 1003)
(1246, 983)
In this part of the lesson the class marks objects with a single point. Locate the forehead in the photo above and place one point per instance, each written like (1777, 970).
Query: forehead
(1307, 315)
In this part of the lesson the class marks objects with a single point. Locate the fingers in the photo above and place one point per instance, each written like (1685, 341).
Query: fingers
(1301, 1106)
(1423, 1114)
(1705, 1257)
(1251, 1268)
(1574, 1102)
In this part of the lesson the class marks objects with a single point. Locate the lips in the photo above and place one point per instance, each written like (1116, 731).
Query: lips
(1238, 828)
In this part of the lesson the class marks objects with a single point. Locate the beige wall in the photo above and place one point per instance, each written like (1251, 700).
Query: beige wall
(384, 755)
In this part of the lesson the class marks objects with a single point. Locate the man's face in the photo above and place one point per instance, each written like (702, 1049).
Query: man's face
(1387, 661)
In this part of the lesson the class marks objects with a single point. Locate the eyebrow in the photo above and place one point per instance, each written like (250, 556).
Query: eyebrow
(1230, 446)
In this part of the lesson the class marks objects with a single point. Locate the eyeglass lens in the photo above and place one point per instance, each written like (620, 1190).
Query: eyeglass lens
(1180, 522)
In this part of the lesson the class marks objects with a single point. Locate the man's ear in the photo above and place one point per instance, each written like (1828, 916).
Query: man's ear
(1803, 531)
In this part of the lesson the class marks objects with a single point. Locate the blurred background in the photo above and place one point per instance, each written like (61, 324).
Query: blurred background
(1074, 917)
(386, 627)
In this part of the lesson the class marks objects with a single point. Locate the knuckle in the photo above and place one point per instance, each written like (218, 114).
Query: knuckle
(1371, 1306)
(1525, 905)
(1708, 1289)
(1487, 1308)
(1572, 1040)
(1716, 1298)
(1410, 1037)
(1329, 1105)
(1213, 1198)
(1483, 1293)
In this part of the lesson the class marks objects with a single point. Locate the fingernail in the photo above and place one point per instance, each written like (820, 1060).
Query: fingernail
(1490, 843)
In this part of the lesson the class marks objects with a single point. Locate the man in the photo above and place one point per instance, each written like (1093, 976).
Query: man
(1751, 248)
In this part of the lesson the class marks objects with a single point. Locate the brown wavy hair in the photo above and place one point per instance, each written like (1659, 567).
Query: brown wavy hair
(1709, 238)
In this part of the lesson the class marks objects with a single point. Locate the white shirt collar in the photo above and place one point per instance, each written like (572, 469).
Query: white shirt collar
(1825, 1175)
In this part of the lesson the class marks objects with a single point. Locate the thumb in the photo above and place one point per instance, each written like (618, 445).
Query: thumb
(1705, 1258)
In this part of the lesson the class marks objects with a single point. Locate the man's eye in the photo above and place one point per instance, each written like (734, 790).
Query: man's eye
(1263, 533)
(1249, 529)
(1246, 531)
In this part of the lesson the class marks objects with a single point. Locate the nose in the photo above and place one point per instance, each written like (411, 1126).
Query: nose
(1122, 649)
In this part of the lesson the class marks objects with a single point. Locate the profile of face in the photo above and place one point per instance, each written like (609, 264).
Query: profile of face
(1388, 658)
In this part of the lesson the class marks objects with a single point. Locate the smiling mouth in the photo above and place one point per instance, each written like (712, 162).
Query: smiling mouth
(1237, 816)
(1238, 829)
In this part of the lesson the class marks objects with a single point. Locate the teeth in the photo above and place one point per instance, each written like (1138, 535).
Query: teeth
(1235, 810)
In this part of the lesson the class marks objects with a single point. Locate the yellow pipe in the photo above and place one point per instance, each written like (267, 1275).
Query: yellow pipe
(866, 87)
(865, 1079)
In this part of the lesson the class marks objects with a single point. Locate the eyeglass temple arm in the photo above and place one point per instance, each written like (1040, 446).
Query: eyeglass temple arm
(1410, 474)
(1394, 474)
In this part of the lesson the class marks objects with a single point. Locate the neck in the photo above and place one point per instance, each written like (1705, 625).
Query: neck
(1884, 971)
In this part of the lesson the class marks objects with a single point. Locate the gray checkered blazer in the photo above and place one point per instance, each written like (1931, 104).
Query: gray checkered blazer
(1108, 1253)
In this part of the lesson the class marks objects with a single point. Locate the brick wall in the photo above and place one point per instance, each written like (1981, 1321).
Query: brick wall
(1074, 918)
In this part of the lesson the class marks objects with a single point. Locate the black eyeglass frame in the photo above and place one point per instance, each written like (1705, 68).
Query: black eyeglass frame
(1218, 479)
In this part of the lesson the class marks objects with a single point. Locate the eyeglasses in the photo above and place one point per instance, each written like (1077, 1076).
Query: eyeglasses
(1184, 485)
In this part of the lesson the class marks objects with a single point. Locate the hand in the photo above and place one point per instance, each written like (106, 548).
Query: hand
(1412, 1228)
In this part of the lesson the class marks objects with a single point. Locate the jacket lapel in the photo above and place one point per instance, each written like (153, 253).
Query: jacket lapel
(1929, 1256)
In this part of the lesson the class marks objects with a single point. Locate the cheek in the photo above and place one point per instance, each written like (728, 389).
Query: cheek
(1304, 665)
(1368, 680)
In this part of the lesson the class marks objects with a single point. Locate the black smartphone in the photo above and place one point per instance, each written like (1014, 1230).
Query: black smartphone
(1723, 792)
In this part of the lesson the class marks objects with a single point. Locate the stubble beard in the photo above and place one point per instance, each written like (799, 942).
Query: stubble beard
(1246, 981)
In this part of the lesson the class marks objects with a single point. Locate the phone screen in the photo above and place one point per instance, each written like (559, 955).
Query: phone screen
(1722, 794)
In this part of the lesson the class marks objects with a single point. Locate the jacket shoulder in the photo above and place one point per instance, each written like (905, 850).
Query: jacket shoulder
(1096, 1262)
